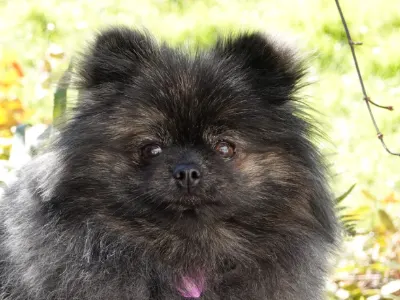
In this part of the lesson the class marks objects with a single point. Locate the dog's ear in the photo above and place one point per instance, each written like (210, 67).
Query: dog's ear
(115, 56)
(271, 68)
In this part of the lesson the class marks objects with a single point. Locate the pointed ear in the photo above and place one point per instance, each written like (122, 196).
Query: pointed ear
(115, 56)
(271, 68)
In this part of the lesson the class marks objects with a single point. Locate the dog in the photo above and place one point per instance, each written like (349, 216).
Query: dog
(178, 176)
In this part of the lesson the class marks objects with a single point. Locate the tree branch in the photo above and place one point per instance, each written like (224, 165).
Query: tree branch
(367, 99)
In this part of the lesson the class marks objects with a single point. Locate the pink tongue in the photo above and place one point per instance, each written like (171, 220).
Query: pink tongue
(190, 287)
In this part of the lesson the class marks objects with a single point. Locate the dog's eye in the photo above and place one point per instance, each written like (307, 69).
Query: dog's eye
(151, 150)
(225, 149)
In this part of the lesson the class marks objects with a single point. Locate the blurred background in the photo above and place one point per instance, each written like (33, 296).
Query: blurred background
(38, 38)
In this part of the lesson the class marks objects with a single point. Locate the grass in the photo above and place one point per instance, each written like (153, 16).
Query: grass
(30, 30)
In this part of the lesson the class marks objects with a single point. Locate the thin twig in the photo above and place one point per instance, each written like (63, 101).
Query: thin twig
(367, 99)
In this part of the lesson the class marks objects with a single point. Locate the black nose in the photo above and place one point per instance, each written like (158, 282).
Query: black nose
(187, 175)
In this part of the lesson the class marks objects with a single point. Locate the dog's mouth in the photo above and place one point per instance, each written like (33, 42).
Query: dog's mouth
(193, 210)
(188, 203)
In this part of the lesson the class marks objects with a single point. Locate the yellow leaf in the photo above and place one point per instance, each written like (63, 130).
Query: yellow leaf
(368, 195)
(390, 199)
(11, 77)
(56, 51)
(386, 220)
(11, 113)
(360, 211)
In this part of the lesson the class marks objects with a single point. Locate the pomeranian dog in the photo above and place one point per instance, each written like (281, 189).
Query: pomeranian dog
(179, 176)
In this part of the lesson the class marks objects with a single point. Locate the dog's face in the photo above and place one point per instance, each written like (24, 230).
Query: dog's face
(213, 136)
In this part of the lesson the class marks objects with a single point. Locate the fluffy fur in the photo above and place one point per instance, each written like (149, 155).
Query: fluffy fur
(93, 219)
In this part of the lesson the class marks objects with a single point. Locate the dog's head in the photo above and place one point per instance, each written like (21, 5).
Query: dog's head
(214, 136)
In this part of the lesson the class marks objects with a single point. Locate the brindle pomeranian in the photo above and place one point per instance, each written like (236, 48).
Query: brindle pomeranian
(178, 176)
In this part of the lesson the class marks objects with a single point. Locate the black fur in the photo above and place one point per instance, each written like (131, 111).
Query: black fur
(94, 219)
